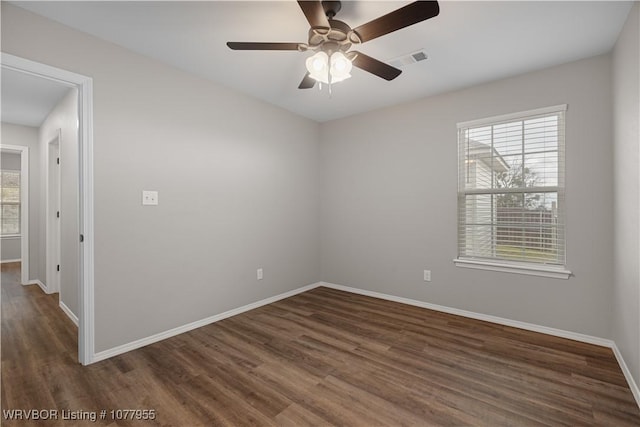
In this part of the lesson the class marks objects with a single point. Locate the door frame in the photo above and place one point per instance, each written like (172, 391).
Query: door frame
(84, 85)
(52, 222)
(23, 151)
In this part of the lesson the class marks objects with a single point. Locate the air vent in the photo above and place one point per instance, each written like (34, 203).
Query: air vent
(408, 59)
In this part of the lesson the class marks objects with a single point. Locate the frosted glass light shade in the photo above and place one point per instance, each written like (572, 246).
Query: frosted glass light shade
(319, 69)
(318, 66)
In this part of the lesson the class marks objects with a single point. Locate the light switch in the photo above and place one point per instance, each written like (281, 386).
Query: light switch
(149, 197)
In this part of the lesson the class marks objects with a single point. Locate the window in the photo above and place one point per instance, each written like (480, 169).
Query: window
(10, 202)
(511, 193)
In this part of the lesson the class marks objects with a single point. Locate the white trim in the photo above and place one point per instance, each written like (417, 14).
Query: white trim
(7, 261)
(69, 313)
(10, 236)
(24, 207)
(52, 223)
(512, 116)
(105, 354)
(589, 339)
(529, 265)
(518, 268)
(441, 308)
(86, 346)
(39, 283)
(627, 373)
(24, 214)
(478, 316)
(84, 85)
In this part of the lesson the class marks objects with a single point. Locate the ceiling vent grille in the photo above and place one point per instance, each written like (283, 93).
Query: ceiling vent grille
(408, 59)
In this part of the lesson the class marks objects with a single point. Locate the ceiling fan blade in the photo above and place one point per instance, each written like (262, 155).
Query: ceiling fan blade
(264, 46)
(405, 16)
(314, 12)
(374, 66)
(307, 82)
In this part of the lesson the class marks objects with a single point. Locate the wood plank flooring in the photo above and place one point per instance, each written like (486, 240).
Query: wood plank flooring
(323, 357)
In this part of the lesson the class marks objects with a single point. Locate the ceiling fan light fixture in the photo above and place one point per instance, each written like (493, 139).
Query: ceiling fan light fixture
(317, 65)
(340, 67)
(320, 66)
(332, 39)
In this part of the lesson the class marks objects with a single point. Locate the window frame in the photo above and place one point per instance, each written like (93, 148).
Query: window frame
(552, 270)
(18, 204)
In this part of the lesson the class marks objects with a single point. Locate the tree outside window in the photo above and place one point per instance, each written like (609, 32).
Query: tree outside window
(511, 189)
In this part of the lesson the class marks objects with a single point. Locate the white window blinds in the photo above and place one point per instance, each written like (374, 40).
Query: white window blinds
(511, 188)
(10, 202)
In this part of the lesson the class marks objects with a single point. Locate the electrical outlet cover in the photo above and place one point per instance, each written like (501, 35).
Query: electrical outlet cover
(149, 198)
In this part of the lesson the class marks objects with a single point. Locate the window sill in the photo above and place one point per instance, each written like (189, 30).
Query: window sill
(11, 236)
(514, 267)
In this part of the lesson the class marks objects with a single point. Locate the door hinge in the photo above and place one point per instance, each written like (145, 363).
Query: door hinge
(58, 267)
(58, 214)
(81, 238)
(58, 160)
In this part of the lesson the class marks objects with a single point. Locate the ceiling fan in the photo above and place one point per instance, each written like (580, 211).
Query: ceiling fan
(332, 40)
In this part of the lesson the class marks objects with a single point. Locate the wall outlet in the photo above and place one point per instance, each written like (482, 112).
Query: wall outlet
(149, 198)
(259, 274)
(427, 275)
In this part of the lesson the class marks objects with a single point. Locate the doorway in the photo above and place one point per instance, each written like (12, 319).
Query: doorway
(22, 230)
(84, 87)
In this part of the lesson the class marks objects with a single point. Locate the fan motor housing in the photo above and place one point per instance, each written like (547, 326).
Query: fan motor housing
(339, 36)
(338, 33)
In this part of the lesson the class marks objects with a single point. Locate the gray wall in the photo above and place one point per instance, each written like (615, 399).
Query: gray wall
(626, 113)
(10, 246)
(63, 121)
(237, 178)
(389, 187)
(28, 137)
(10, 161)
(11, 249)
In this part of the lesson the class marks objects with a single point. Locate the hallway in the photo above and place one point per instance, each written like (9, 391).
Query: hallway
(36, 335)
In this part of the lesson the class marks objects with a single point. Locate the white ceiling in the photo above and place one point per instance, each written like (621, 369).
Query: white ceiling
(27, 100)
(468, 43)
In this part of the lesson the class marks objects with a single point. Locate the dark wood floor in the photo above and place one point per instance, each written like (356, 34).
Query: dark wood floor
(324, 357)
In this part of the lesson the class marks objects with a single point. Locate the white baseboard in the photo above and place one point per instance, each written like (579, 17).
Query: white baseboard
(7, 261)
(69, 313)
(627, 373)
(102, 355)
(39, 283)
(603, 342)
(478, 316)
(464, 313)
